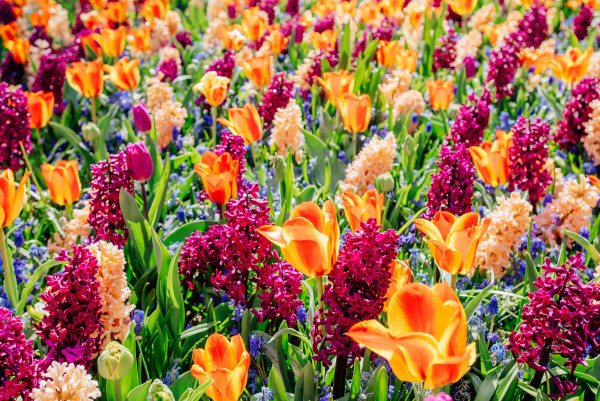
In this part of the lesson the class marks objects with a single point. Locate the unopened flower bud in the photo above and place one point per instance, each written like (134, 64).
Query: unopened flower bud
(159, 391)
(141, 117)
(115, 361)
(408, 147)
(279, 168)
(191, 69)
(90, 132)
(385, 182)
(139, 161)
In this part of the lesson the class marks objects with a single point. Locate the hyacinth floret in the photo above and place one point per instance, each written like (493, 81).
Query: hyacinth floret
(471, 120)
(571, 129)
(14, 129)
(277, 96)
(50, 77)
(445, 54)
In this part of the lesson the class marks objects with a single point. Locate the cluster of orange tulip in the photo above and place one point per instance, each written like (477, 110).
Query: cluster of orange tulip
(393, 54)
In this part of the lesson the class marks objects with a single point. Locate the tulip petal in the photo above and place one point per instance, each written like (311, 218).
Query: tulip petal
(447, 258)
(375, 337)
(273, 234)
(412, 309)
(219, 353)
(311, 212)
(444, 221)
(414, 356)
(429, 229)
(450, 370)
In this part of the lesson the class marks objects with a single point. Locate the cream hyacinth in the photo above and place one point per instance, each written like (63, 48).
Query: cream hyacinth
(287, 130)
(510, 221)
(66, 383)
(168, 113)
(374, 159)
(113, 291)
(483, 16)
(59, 26)
(75, 230)
(468, 45)
(591, 140)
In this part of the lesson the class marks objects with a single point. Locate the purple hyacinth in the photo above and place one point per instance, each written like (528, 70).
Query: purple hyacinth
(471, 120)
(14, 128)
(50, 77)
(18, 364)
(562, 318)
(184, 38)
(223, 66)
(445, 54)
(452, 186)
(6, 13)
(39, 33)
(582, 22)
(73, 305)
(527, 158)
(356, 290)
(277, 96)
(324, 24)
(169, 69)
(106, 219)
(533, 28)
(11, 71)
(200, 252)
(503, 65)
(576, 113)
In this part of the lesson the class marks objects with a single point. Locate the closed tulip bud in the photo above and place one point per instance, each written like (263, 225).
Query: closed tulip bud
(279, 168)
(115, 361)
(141, 117)
(139, 161)
(385, 182)
(409, 147)
(90, 132)
(191, 69)
(159, 391)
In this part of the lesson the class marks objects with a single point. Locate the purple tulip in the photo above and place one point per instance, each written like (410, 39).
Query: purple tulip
(139, 161)
(141, 117)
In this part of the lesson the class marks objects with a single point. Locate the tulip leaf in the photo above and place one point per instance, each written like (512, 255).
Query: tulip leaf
(10, 281)
(487, 388)
(472, 306)
(184, 382)
(75, 141)
(198, 392)
(160, 195)
(532, 273)
(276, 384)
(377, 386)
(585, 244)
(182, 232)
(140, 393)
(35, 277)
(292, 332)
(139, 230)
(356, 381)
(308, 374)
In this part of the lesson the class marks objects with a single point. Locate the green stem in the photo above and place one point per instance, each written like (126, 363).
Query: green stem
(321, 303)
(145, 198)
(214, 126)
(223, 209)
(10, 282)
(354, 135)
(69, 211)
(39, 138)
(453, 282)
(33, 175)
(93, 102)
(118, 390)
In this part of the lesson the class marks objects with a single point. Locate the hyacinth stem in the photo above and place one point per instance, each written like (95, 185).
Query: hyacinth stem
(339, 379)
(320, 300)
(145, 198)
(93, 102)
(10, 282)
(453, 282)
(214, 126)
(539, 374)
(118, 390)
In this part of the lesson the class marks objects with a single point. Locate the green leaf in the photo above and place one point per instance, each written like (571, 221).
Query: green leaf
(276, 384)
(472, 306)
(184, 231)
(198, 393)
(585, 244)
(183, 382)
(532, 273)
(294, 333)
(377, 386)
(139, 230)
(35, 277)
(308, 375)
(160, 195)
(488, 387)
(140, 393)
(74, 140)
(356, 381)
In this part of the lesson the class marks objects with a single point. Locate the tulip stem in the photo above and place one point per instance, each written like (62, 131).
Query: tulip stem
(453, 281)
(10, 282)
(117, 390)
(321, 303)
(69, 211)
(33, 175)
(354, 135)
(223, 208)
(145, 198)
(93, 102)
(214, 126)
(38, 138)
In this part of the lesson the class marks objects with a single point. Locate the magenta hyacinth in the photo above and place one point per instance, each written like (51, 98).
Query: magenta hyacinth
(533, 28)
(277, 96)
(445, 54)
(50, 77)
(6, 13)
(19, 372)
(576, 113)
(471, 120)
(223, 66)
(452, 186)
(169, 69)
(11, 71)
(71, 326)
(504, 63)
(106, 219)
(582, 22)
(14, 129)
(356, 290)
(562, 318)
(527, 158)
(325, 23)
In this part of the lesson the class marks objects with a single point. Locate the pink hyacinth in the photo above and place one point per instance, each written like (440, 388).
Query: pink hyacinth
(14, 129)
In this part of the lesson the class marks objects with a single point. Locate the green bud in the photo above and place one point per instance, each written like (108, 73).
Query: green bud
(385, 182)
(279, 168)
(409, 147)
(191, 68)
(159, 391)
(90, 132)
(115, 361)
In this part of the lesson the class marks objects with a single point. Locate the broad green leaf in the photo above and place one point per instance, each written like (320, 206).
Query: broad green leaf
(585, 244)
(488, 387)
(160, 195)
(276, 384)
(35, 277)
(75, 141)
(140, 393)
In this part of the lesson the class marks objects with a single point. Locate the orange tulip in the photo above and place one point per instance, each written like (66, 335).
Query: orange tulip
(155, 9)
(19, 48)
(9, 32)
(86, 78)
(232, 37)
(124, 74)
(244, 122)
(355, 111)
(406, 59)
(325, 40)
(91, 43)
(337, 84)
(278, 42)
(571, 66)
(63, 181)
(140, 38)
(92, 20)
(539, 59)
(427, 336)
(224, 362)
(113, 41)
(387, 52)
(116, 11)
(213, 87)
(97, 4)
(594, 181)
(440, 93)
(40, 106)
(324, 7)
(254, 25)
(462, 7)
(369, 11)
(346, 7)
(362, 209)
(401, 276)
(40, 18)
(258, 69)
(11, 201)
(219, 176)
(309, 240)
(453, 241)
(491, 159)
(391, 8)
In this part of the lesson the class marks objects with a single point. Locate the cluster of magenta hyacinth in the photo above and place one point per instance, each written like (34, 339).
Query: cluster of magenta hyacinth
(528, 156)
(106, 219)
(277, 96)
(471, 120)
(223, 66)
(576, 113)
(315, 70)
(169, 70)
(445, 54)
(452, 186)
(356, 290)
(14, 130)
(71, 324)
(50, 77)
(18, 365)
(583, 21)
(563, 318)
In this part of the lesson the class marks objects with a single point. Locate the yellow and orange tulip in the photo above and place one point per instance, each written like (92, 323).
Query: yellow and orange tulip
(571, 66)
(360, 209)
(9, 31)
(401, 276)
(213, 87)
(232, 37)
(594, 181)
(97, 4)
(92, 43)
(278, 42)
(254, 25)
(258, 69)
(325, 40)
(355, 111)
(369, 11)
(427, 336)
(337, 84)
(219, 176)
(116, 11)
(536, 58)
(387, 52)
(40, 106)
(11, 200)
(224, 362)
(19, 48)
(491, 159)
(124, 74)
(154, 9)
(440, 93)
(453, 241)
(140, 38)
(113, 41)
(244, 122)
(309, 240)
(86, 78)
(462, 7)
(406, 59)
(63, 181)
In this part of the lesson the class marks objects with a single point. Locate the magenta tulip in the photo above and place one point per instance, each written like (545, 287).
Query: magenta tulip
(141, 117)
(139, 161)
